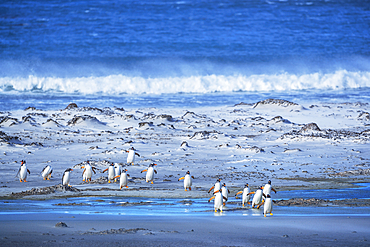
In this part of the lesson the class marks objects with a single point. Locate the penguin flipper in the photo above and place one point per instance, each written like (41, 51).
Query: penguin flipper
(155, 171)
(137, 154)
(181, 178)
(144, 170)
(210, 199)
(18, 172)
(238, 193)
(28, 171)
(211, 189)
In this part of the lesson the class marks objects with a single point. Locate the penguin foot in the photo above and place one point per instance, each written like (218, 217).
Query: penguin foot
(44, 178)
(186, 190)
(25, 180)
(152, 182)
(215, 210)
(20, 180)
(264, 215)
(126, 186)
(271, 214)
(109, 181)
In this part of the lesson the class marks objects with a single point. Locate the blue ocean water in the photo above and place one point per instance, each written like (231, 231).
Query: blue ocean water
(182, 53)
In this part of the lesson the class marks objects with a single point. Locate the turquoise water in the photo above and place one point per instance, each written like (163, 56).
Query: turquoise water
(190, 207)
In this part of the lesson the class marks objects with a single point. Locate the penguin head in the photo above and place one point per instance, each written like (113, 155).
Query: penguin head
(132, 148)
(246, 185)
(112, 164)
(224, 184)
(69, 169)
(23, 162)
(268, 196)
(152, 164)
(269, 182)
(188, 172)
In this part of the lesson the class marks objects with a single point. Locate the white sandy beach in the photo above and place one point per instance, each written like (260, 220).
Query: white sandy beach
(295, 146)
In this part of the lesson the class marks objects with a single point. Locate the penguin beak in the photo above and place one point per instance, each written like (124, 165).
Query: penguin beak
(155, 164)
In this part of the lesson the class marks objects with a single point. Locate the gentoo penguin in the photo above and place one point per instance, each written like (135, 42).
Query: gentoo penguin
(67, 177)
(23, 172)
(225, 193)
(111, 171)
(257, 198)
(267, 188)
(117, 171)
(187, 181)
(87, 173)
(150, 173)
(246, 196)
(46, 172)
(131, 155)
(267, 206)
(217, 186)
(123, 179)
(218, 203)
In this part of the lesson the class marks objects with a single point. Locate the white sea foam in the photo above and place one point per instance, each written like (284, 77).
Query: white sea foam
(121, 84)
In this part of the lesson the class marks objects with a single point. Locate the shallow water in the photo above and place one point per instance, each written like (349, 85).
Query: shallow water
(189, 207)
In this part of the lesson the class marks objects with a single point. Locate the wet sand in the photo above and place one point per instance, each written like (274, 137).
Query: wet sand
(98, 230)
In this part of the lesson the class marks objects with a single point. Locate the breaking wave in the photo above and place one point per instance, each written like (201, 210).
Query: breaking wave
(121, 84)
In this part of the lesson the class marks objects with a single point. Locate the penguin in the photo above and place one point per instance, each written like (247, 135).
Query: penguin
(217, 185)
(111, 171)
(187, 180)
(267, 206)
(123, 179)
(23, 172)
(257, 198)
(246, 196)
(117, 171)
(225, 193)
(67, 177)
(267, 188)
(131, 155)
(218, 203)
(87, 173)
(46, 172)
(150, 173)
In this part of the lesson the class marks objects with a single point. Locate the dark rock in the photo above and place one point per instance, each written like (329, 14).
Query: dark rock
(71, 106)
(61, 224)
(278, 102)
